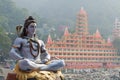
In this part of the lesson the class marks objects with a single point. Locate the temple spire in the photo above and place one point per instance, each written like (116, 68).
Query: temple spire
(66, 33)
(82, 11)
(49, 40)
(82, 22)
(98, 35)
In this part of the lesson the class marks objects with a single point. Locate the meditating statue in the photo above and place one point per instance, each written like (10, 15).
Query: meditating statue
(30, 52)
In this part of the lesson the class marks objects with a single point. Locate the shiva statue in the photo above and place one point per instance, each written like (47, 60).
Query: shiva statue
(30, 52)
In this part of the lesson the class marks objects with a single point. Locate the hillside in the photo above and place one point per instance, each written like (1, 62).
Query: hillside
(10, 16)
(101, 13)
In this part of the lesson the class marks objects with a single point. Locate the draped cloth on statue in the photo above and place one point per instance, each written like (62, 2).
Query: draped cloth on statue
(38, 75)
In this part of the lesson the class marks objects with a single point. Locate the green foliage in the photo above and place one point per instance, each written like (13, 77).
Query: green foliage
(5, 41)
(10, 15)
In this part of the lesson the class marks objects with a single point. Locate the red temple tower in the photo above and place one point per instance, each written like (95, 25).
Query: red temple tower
(81, 49)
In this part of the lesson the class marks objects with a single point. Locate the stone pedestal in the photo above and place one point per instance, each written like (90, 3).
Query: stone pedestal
(11, 76)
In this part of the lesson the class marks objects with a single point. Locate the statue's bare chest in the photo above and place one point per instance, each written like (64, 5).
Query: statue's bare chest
(30, 46)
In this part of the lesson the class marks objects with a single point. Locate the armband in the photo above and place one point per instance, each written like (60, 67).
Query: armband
(14, 46)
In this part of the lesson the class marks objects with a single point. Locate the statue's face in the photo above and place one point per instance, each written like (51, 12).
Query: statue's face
(31, 28)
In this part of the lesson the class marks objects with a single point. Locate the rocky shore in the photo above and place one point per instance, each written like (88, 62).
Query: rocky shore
(94, 74)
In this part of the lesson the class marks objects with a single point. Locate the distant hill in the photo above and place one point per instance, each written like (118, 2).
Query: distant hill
(101, 13)
(10, 16)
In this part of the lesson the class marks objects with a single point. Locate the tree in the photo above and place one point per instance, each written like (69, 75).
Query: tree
(10, 15)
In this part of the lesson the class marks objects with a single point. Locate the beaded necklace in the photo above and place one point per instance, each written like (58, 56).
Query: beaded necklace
(34, 40)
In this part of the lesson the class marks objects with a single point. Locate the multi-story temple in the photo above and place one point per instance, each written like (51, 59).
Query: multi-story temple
(81, 49)
(116, 30)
